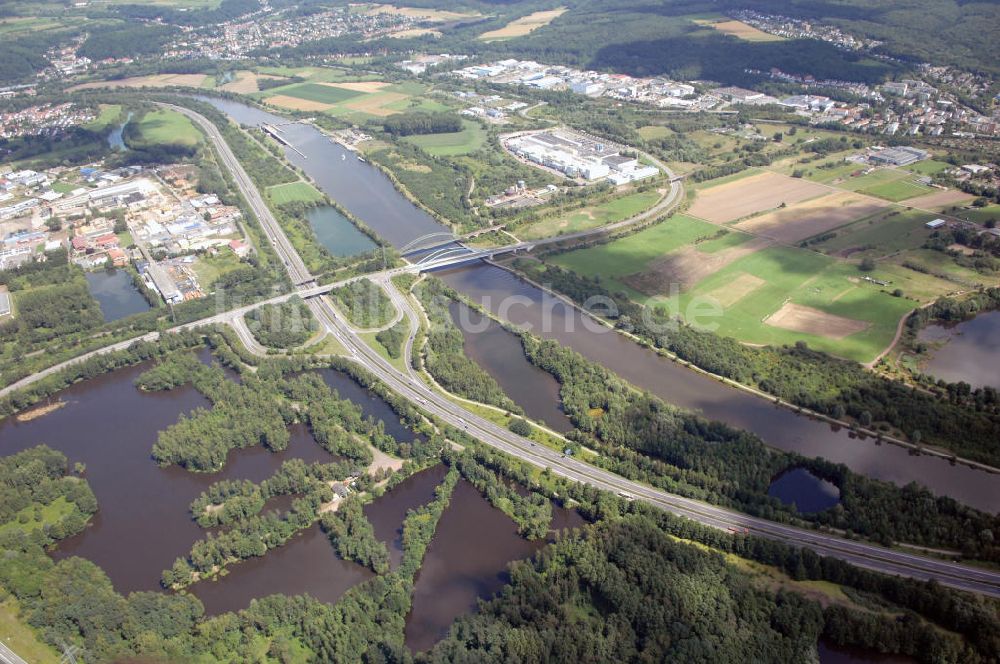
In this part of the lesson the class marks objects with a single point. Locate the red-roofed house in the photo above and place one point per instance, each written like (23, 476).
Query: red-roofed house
(79, 243)
(240, 248)
(118, 257)
(106, 241)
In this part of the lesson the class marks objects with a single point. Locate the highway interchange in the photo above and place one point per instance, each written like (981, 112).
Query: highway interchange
(420, 394)
(409, 385)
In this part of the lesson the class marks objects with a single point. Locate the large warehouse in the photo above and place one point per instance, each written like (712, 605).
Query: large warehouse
(578, 155)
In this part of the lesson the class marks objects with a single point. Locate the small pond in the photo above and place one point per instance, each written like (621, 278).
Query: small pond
(114, 291)
(808, 492)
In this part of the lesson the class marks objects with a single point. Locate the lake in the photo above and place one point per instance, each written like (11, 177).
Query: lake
(501, 354)
(336, 232)
(116, 293)
(143, 523)
(968, 351)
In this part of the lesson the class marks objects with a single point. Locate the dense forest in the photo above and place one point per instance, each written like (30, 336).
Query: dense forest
(408, 124)
(443, 188)
(353, 538)
(126, 41)
(53, 302)
(243, 414)
(39, 500)
(284, 325)
(623, 592)
(225, 11)
(364, 303)
(257, 411)
(392, 338)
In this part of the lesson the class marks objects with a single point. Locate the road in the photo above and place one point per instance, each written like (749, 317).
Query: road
(8, 656)
(293, 262)
(409, 386)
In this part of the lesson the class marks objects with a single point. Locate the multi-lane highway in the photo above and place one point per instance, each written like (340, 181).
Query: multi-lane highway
(416, 391)
(408, 385)
(8, 656)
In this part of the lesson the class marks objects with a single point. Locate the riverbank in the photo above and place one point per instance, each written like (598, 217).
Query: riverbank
(798, 410)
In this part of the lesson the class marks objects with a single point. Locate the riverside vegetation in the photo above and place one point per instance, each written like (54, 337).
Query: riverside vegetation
(639, 436)
(965, 424)
(591, 577)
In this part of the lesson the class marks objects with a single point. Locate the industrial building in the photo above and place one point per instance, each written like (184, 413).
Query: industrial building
(163, 283)
(579, 155)
(899, 156)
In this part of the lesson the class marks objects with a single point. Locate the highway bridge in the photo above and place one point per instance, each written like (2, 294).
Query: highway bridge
(420, 394)
(409, 385)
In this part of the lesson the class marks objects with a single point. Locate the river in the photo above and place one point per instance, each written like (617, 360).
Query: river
(968, 351)
(116, 137)
(367, 193)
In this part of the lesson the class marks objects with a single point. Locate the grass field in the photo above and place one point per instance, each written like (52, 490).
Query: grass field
(634, 252)
(890, 184)
(470, 139)
(209, 268)
(898, 190)
(109, 114)
(524, 25)
(928, 167)
(352, 100)
(313, 73)
(653, 132)
(807, 279)
(892, 230)
(979, 215)
(19, 637)
(163, 127)
(938, 199)
(324, 94)
(20, 25)
(755, 282)
(243, 82)
(591, 217)
(63, 187)
(50, 514)
(151, 81)
(740, 30)
(294, 192)
(426, 13)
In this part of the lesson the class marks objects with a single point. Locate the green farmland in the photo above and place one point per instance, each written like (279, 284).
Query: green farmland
(633, 253)
(162, 127)
(324, 94)
(470, 139)
(592, 217)
(294, 192)
(774, 276)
